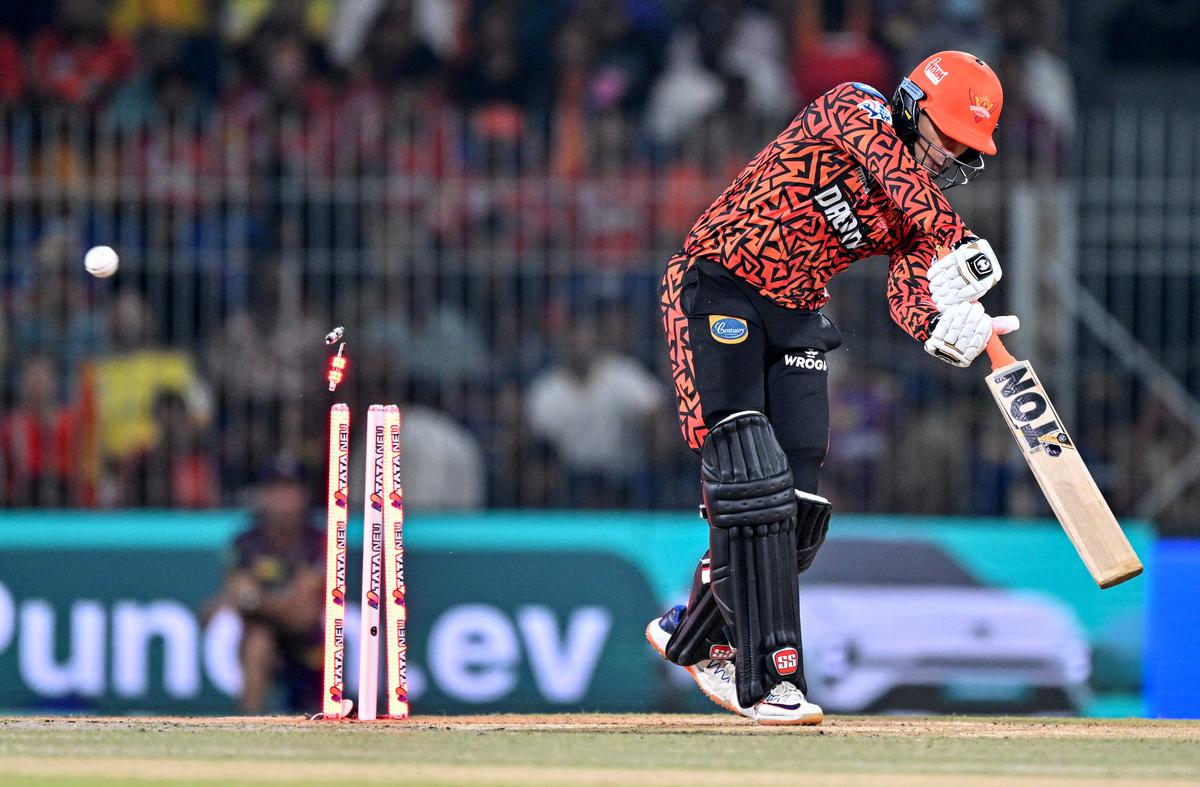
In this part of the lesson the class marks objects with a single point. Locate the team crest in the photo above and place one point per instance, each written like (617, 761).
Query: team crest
(981, 106)
(876, 110)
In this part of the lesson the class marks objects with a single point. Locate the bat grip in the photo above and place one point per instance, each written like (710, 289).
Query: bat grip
(998, 354)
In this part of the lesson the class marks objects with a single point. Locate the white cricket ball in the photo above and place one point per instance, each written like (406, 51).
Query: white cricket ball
(101, 261)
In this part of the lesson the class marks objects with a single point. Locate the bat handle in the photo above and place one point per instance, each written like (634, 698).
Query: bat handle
(998, 354)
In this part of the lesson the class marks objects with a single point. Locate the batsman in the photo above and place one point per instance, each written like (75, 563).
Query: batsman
(853, 176)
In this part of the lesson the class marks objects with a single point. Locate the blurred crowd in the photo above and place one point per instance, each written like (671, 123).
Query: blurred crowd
(564, 65)
(483, 193)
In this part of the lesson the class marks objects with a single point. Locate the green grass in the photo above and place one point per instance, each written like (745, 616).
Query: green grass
(844, 751)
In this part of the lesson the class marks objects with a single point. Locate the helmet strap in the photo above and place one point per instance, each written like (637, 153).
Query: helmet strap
(906, 111)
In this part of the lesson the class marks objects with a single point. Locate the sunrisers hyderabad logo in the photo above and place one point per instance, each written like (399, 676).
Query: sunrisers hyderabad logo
(981, 106)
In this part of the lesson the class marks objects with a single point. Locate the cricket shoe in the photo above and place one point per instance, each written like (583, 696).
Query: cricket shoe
(786, 704)
(715, 677)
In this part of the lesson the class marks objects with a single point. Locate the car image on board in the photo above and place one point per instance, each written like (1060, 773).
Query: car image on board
(899, 625)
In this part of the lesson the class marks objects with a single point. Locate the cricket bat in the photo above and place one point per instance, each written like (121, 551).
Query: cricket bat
(1059, 470)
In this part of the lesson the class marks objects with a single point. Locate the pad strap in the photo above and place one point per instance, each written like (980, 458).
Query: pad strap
(701, 631)
(812, 517)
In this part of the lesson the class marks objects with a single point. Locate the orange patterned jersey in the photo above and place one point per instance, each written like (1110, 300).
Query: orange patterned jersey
(835, 187)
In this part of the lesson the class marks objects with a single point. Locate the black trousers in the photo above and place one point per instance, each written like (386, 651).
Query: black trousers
(733, 349)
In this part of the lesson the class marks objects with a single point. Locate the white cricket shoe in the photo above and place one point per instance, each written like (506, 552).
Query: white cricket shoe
(715, 677)
(786, 704)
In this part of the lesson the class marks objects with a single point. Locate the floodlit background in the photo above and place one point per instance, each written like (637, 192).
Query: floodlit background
(484, 194)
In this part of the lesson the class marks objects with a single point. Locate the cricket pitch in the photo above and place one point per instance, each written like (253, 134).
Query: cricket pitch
(599, 749)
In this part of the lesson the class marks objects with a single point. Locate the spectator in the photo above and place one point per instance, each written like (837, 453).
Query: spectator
(397, 53)
(40, 442)
(78, 61)
(263, 355)
(441, 462)
(51, 309)
(748, 45)
(278, 73)
(572, 61)
(922, 26)
(1039, 95)
(627, 54)
(276, 581)
(863, 420)
(594, 408)
(493, 76)
(180, 16)
(11, 79)
(310, 20)
(685, 93)
(24, 18)
(825, 55)
(521, 468)
(178, 69)
(131, 378)
(179, 470)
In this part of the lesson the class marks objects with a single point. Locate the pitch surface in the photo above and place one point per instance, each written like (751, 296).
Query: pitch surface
(600, 750)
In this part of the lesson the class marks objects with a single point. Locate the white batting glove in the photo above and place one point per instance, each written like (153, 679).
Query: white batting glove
(963, 330)
(966, 273)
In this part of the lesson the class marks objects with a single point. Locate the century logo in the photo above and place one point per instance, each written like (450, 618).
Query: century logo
(1026, 405)
(728, 330)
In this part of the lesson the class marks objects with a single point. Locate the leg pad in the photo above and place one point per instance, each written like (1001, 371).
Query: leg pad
(753, 547)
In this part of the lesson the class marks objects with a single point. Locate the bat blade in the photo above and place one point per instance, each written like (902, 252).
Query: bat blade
(1060, 471)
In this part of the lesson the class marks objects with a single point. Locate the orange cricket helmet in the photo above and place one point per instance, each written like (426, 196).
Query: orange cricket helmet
(962, 96)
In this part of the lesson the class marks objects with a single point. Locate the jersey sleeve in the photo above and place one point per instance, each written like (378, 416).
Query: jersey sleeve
(909, 301)
(857, 119)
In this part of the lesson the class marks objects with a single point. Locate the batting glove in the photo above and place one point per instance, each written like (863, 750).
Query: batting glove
(964, 274)
(962, 331)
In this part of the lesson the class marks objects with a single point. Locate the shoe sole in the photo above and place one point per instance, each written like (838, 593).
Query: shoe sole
(804, 721)
(691, 671)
